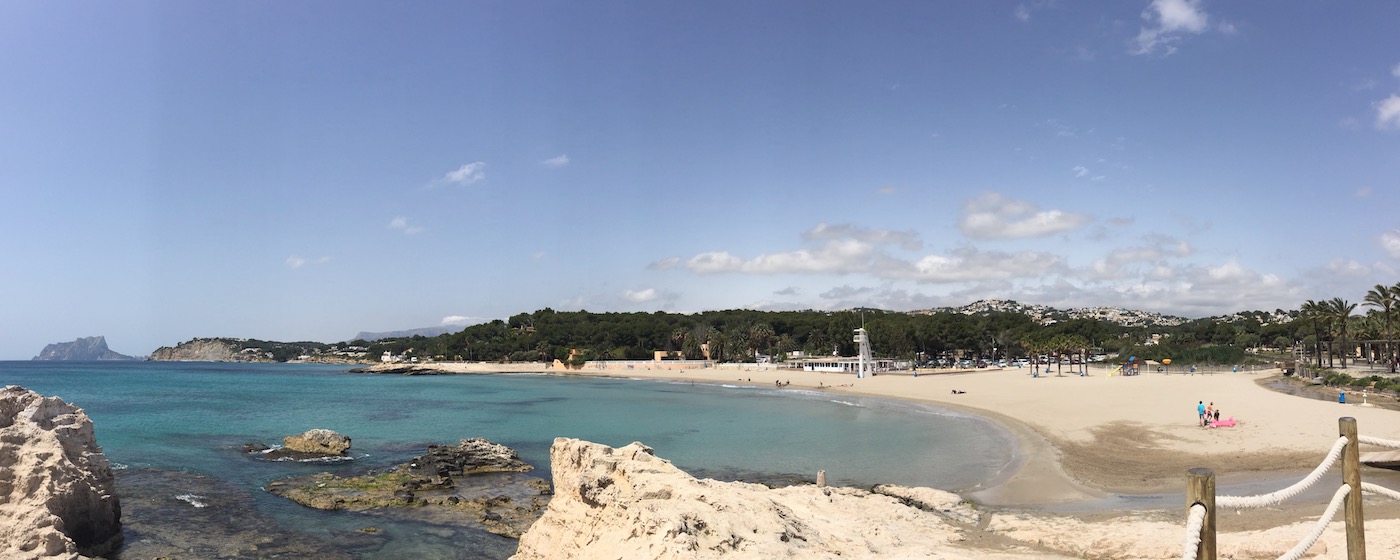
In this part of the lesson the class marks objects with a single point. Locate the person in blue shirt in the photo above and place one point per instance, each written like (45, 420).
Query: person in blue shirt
(1201, 411)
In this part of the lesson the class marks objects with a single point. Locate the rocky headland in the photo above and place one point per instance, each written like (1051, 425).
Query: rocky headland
(445, 485)
(92, 348)
(206, 350)
(57, 497)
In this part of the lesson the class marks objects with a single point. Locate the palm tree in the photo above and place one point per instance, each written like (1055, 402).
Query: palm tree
(1381, 297)
(1314, 312)
(1341, 312)
(1395, 296)
(714, 340)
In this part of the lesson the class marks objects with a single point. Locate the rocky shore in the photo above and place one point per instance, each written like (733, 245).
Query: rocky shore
(628, 503)
(57, 497)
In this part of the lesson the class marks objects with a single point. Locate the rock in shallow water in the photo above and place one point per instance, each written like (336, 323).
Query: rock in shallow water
(57, 497)
(318, 441)
(470, 484)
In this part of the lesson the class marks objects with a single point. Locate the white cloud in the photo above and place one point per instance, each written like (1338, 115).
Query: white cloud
(467, 174)
(557, 161)
(995, 216)
(1347, 267)
(1390, 241)
(1388, 113)
(1167, 20)
(1025, 10)
(640, 296)
(667, 263)
(294, 262)
(839, 249)
(971, 265)
(1080, 171)
(401, 223)
(1395, 71)
(845, 292)
(788, 291)
(908, 239)
(715, 261)
(1156, 255)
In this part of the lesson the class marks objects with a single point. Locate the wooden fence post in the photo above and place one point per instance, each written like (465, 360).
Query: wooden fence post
(1200, 489)
(1351, 476)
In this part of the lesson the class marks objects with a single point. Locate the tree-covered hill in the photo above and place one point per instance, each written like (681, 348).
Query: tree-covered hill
(740, 335)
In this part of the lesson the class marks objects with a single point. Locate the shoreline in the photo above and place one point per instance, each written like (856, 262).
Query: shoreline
(1079, 439)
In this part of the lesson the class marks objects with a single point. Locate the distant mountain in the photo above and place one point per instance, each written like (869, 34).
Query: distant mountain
(83, 349)
(1047, 315)
(425, 331)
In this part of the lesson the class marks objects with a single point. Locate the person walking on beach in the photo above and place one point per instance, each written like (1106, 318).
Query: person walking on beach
(1210, 408)
(1201, 411)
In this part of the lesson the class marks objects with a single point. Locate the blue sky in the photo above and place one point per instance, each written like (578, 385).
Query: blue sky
(308, 170)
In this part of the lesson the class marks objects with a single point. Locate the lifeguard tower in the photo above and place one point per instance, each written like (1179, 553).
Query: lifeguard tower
(865, 359)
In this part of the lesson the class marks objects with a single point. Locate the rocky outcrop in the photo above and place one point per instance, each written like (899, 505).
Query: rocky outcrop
(317, 442)
(469, 456)
(91, 348)
(205, 350)
(627, 503)
(439, 486)
(56, 488)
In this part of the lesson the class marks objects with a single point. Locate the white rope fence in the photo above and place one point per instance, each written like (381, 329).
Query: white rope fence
(1194, 522)
(1378, 489)
(1201, 487)
(1277, 497)
(1378, 441)
(1311, 538)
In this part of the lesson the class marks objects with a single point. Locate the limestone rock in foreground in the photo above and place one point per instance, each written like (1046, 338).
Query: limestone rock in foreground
(57, 498)
(628, 503)
(317, 442)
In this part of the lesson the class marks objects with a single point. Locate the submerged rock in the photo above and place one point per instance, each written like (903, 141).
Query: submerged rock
(176, 514)
(57, 498)
(439, 487)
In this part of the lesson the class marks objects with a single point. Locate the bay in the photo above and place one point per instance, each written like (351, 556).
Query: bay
(193, 419)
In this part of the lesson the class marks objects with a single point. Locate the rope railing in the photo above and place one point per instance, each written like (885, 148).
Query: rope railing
(1195, 521)
(1202, 501)
(1369, 440)
(1378, 489)
(1279, 496)
(1311, 538)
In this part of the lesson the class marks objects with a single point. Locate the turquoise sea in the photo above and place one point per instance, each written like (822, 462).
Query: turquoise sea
(174, 420)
